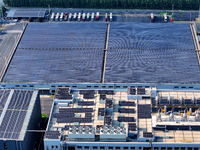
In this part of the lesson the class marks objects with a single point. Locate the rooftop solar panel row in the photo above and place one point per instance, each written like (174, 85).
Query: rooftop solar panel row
(73, 66)
(143, 36)
(59, 35)
(151, 66)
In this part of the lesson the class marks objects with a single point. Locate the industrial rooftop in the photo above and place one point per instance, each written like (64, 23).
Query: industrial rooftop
(125, 115)
(113, 53)
(15, 112)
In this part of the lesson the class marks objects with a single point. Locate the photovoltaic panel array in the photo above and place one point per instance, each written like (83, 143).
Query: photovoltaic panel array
(64, 35)
(15, 113)
(58, 52)
(151, 66)
(147, 134)
(144, 36)
(3, 97)
(126, 103)
(126, 119)
(126, 110)
(73, 66)
(71, 120)
(52, 134)
(26, 13)
(132, 126)
(164, 102)
(63, 93)
(87, 94)
(144, 111)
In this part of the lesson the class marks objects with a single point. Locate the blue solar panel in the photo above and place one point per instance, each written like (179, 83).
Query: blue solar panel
(55, 66)
(3, 97)
(144, 111)
(62, 35)
(151, 66)
(150, 36)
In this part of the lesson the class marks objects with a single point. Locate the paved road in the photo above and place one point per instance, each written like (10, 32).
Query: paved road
(8, 36)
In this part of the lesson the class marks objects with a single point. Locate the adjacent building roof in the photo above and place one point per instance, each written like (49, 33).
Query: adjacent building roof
(26, 13)
(15, 111)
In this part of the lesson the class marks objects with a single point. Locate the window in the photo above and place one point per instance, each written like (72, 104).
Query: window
(103, 86)
(117, 147)
(183, 87)
(190, 87)
(196, 148)
(3, 85)
(31, 85)
(52, 146)
(94, 147)
(86, 147)
(139, 147)
(132, 147)
(125, 86)
(117, 86)
(66, 86)
(24, 86)
(74, 86)
(176, 148)
(182, 148)
(53, 86)
(60, 86)
(156, 148)
(79, 146)
(189, 148)
(110, 86)
(96, 86)
(169, 148)
(17, 86)
(176, 87)
(110, 147)
(47, 147)
(102, 147)
(163, 148)
(88, 86)
(125, 147)
(56, 146)
(5, 146)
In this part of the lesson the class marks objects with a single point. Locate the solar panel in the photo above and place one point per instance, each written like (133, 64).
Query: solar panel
(144, 36)
(108, 120)
(126, 103)
(101, 112)
(151, 66)
(63, 93)
(102, 96)
(188, 102)
(53, 36)
(176, 102)
(126, 119)
(109, 104)
(52, 134)
(106, 92)
(147, 134)
(126, 110)
(74, 110)
(164, 102)
(71, 120)
(132, 126)
(132, 91)
(140, 91)
(86, 103)
(197, 102)
(144, 111)
(3, 97)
